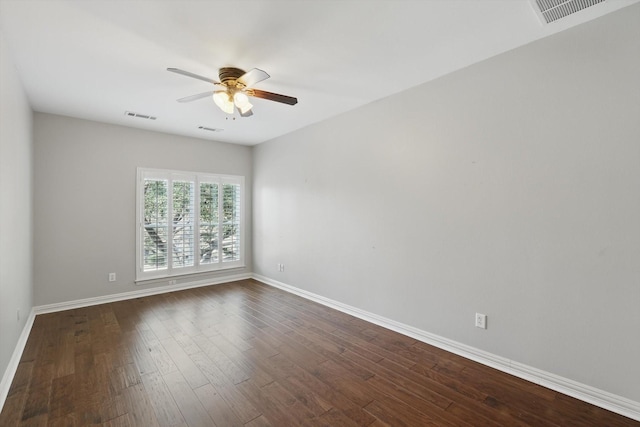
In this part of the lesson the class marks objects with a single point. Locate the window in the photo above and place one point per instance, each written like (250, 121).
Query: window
(188, 223)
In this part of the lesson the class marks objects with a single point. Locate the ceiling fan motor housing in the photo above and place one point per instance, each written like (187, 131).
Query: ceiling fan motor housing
(229, 76)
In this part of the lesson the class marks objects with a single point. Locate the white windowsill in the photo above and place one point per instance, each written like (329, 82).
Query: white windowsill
(159, 279)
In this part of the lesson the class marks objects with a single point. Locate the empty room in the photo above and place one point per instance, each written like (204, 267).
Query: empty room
(320, 213)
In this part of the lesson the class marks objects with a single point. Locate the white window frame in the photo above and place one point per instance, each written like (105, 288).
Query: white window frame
(197, 178)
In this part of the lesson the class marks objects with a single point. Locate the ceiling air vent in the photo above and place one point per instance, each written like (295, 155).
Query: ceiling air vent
(551, 10)
(210, 129)
(142, 116)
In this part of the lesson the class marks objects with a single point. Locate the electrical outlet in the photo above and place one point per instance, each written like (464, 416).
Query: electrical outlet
(280, 267)
(112, 277)
(481, 321)
(172, 282)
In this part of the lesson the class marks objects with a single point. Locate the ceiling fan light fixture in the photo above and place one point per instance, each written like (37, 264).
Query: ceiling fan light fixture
(223, 100)
(220, 98)
(242, 102)
(240, 98)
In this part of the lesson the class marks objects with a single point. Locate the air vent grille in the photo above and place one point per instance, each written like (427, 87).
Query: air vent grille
(210, 129)
(552, 10)
(141, 116)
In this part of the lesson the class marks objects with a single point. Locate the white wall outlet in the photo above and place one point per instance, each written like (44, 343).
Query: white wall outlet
(112, 277)
(481, 321)
(280, 267)
(172, 282)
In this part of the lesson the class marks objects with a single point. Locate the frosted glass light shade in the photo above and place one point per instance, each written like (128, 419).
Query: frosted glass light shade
(223, 100)
(242, 102)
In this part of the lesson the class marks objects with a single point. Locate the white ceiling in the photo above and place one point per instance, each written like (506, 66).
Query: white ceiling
(97, 59)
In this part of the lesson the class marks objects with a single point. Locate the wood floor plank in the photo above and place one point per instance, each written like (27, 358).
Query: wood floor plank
(469, 408)
(122, 377)
(342, 380)
(67, 420)
(330, 351)
(282, 366)
(95, 399)
(161, 358)
(47, 350)
(61, 400)
(22, 378)
(453, 383)
(64, 356)
(183, 339)
(82, 332)
(299, 388)
(275, 408)
(37, 402)
(121, 421)
(140, 352)
(34, 341)
(314, 403)
(219, 410)
(398, 415)
(329, 333)
(252, 370)
(87, 391)
(192, 410)
(166, 411)
(523, 404)
(158, 327)
(138, 406)
(12, 410)
(183, 362)
(40, 420)
(260, 421)
(331, 418)
(231, 370)
(261, 348)
(284, 399)
(246, 354)
(586, 414)
(241, 406)
(146, 332)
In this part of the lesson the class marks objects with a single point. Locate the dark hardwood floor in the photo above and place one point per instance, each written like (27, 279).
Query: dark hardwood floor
(246, 354)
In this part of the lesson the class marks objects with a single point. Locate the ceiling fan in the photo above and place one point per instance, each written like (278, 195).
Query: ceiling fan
(234, 89)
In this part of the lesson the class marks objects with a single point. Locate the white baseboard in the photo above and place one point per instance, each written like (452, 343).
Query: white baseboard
(601, 398)
(10, 372)
(86, 302)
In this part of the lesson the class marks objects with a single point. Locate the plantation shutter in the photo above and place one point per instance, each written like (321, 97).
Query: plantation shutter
(231, 222)
(188, 223)
(183, 222)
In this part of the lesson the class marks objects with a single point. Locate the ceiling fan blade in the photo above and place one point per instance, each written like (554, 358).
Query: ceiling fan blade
(290, 100)
(197, 96)
(252, 77)
(195, 76)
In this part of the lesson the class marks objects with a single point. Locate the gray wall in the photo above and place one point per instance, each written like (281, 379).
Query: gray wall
(16, 213)
(84, 198)
(510, 188)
